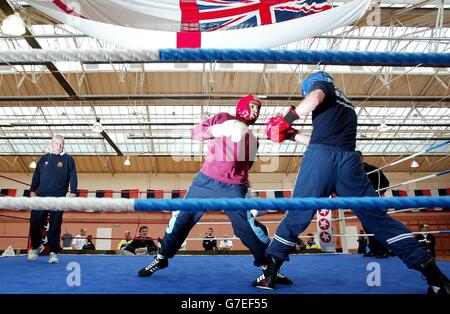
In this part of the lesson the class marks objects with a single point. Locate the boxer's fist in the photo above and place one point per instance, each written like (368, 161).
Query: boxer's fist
(276, 133)
(233, 129)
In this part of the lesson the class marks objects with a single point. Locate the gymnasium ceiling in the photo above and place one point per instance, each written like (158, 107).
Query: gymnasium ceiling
(147, 110)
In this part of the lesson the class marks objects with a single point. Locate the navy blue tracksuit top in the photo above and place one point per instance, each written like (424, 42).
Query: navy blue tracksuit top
(53, 174)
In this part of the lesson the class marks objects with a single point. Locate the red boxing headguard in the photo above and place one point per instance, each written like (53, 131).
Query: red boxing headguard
(243, 109)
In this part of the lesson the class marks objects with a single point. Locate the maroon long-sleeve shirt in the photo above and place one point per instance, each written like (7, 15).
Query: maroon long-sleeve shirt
(227, 161)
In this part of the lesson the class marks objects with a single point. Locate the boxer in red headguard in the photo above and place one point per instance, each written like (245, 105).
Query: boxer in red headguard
(224, 174)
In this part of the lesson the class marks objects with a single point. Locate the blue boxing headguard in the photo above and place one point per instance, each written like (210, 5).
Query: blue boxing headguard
(316, 77)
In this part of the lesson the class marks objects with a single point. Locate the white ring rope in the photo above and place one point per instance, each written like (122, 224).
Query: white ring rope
(82, 55)
(68, 203)
(335, 234)
(389, 213)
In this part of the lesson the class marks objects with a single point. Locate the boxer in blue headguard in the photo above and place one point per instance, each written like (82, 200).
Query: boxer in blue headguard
(331, 165)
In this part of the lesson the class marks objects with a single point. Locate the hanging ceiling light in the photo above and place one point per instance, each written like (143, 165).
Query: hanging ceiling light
(32, 165)
(127, 161)
(414, 164)
(13, 25)
(97, 127)
(383, 127)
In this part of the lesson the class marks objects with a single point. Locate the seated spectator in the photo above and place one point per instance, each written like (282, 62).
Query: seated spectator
(89, 245)
(67, 238)
(123, 243)
(210, 242)
(427, 239)
(80, 240)
(141, 245)
(311, 244)
(226, 244)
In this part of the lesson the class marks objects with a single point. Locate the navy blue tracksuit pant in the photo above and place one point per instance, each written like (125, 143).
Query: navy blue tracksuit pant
(252, 233)
(326, 169)
(37, 220)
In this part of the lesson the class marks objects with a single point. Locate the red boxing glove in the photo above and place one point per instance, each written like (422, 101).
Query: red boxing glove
(275, 131)
(283, 123)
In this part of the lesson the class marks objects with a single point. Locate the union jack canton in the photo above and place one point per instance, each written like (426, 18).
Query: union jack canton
(214, 15)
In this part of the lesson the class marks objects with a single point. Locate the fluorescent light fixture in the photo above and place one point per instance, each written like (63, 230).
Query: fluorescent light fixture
(13, 25)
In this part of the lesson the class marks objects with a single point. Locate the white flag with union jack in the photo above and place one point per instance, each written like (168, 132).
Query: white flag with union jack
(254, 24)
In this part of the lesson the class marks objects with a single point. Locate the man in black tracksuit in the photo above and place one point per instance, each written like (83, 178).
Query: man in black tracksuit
(54, 173)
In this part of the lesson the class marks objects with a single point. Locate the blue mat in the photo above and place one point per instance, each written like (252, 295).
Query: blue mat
(312, 274)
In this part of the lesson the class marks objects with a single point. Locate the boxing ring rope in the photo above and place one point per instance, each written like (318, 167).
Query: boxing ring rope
(378, 190)
(140, 221)
(218, 204)
(151, 205)
(389, 213)
(306, 57)
(80, 55)
(427, 150)
(437, 174)
(333, 219)
(372, 235)
(42, 56)
(235, 238)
